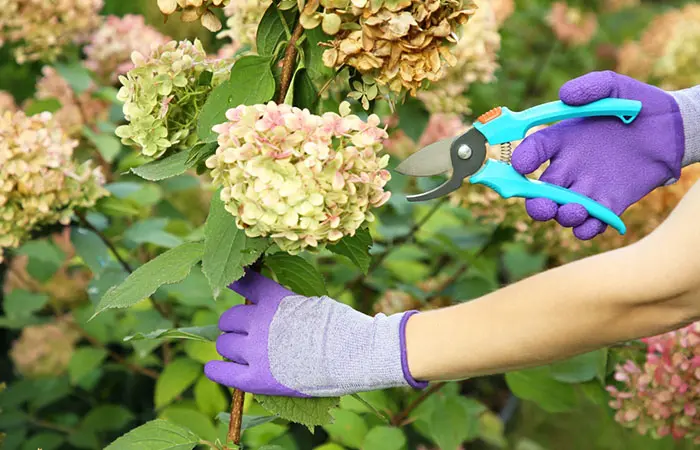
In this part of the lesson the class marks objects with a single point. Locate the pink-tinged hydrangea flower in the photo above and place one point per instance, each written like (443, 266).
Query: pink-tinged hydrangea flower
(76, 109)
(163, 97)
(109, 51)
(666, 54)
(571, 25)
(41, 28)
(503, 9)
(45, 350)
(7, 102)
(662, 397)
(299, 178)
(40, 184)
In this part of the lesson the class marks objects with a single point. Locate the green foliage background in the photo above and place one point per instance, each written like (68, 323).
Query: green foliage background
(103, 396)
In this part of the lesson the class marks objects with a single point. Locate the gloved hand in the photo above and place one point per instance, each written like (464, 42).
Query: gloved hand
(289, 345)
(601, 157)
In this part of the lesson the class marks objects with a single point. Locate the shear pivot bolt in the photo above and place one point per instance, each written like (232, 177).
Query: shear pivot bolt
(464, 151)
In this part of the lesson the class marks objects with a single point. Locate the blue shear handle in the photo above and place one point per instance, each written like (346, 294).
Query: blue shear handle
(512, 126)
(504, 179)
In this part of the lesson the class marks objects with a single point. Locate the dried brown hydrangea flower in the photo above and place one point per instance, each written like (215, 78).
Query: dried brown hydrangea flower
(399, 43)
(193, 10)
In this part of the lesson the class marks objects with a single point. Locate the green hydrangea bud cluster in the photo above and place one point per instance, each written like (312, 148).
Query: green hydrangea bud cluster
(299, 178)
(163, 95)
(40, 184)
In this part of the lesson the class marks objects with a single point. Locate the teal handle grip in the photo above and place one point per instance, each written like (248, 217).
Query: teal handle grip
(504, 179)
(511, 126)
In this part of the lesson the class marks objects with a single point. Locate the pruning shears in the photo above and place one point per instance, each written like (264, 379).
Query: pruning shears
(466, 157)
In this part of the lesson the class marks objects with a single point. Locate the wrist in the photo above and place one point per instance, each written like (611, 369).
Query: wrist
(409, 373)
(688, 101)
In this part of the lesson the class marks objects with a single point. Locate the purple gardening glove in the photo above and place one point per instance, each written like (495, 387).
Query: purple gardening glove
(290, 345)
(601, 157)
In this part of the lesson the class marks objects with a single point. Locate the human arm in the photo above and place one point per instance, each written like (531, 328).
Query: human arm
(645, 289)
(290, 345)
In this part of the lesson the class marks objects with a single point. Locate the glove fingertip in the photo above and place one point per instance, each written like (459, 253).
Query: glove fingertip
(589, 229)
(541, 209)
(588, 88)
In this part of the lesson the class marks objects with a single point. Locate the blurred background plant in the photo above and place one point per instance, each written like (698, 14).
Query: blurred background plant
(72, 382)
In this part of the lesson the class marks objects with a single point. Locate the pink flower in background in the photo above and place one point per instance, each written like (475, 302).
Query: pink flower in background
(662, 397)
(571, 25)
(111, 46)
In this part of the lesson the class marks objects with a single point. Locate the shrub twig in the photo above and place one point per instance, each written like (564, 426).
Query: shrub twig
(289, 62)
(83, 220)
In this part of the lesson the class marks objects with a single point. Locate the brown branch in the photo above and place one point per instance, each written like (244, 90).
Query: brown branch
(289, 62)
(115, 356)
(234, 424)
(83, 220)
(399, 419)
(51, 426)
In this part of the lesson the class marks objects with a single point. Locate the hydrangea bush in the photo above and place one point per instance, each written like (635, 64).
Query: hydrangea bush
(142, 171)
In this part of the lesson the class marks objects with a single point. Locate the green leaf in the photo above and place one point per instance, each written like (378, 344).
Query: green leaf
(384, 438)
(167, 268)
(44, 441)
(329, 446)
(175, 379)
(156, 435)
(90, 249)
(491, 430)
(37, 106)
(227, 250)
(537, 386)
(45, 258)
(356, 248)
(108, 145)
(151, 231)
(313, 55)
(205, 334)
(306, 411)
(161, 169)
(271, 31)
(519, 263)
(199, 153)
(302, 92)
(297, 274)
(202, 352)
(580, 368)
(194, 420)
(20, 303)
(84, 361)
(413, 118)
(209, 397)
(118, 207)
(453, 423)
(251, 82)
(107, 417)
(347, 428)
(77, 76)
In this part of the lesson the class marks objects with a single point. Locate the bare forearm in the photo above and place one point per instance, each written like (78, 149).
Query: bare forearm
(642, 290)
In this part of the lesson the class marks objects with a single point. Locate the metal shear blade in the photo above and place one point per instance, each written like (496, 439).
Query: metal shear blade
(463, 155)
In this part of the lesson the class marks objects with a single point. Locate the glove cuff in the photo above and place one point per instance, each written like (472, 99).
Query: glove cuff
(689, 105)
(404, 354)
